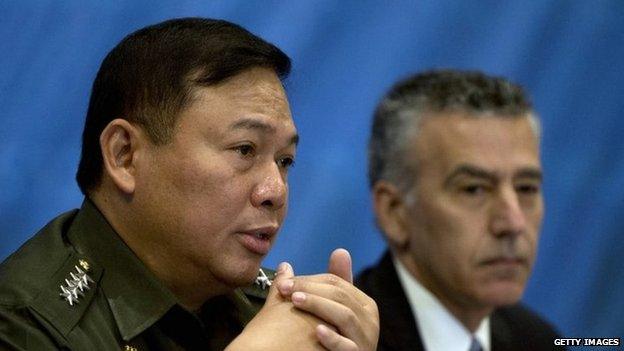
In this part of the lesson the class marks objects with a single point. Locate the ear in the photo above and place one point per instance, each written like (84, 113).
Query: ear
(119, 142)
(390, 209)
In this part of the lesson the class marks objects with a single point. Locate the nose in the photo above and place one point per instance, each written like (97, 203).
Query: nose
(508, 217)
(271, 191)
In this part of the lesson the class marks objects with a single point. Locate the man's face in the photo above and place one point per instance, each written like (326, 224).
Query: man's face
(214, 197)
(475, 210)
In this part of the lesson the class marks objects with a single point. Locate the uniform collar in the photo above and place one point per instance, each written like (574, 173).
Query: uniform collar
(137, 298)
(439, 329)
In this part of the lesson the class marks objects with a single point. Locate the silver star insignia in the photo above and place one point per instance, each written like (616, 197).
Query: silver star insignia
(263, 280)
(77, 285)
(69, 295)
(72, 286)
(84, 277)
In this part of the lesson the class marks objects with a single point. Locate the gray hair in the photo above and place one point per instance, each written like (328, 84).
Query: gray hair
(400, 112)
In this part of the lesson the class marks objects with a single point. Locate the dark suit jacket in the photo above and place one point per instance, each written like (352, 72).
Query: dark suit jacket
(512, 328)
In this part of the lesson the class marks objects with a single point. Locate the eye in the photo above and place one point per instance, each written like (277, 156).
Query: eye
(286, 162)
(528, 189)
(473, 189)
(245, 150)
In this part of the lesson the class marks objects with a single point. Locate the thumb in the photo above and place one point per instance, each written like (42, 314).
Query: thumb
(340, 264)
(284, 271)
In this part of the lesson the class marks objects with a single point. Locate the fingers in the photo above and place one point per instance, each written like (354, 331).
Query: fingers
(331, 282)
(338, 302)
(284, 273)
(342, 296)
(333, 341)
(340, 264)
(332, 312)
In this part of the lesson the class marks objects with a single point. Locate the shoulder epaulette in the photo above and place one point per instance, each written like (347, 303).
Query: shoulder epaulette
(71, 290)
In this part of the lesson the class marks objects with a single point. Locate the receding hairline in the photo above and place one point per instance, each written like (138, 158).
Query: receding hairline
(423, 115)
(428, 113)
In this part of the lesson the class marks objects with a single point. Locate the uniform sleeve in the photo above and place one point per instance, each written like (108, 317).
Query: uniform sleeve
(20, 331)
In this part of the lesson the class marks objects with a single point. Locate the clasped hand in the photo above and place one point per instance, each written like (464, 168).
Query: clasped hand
(317, 312)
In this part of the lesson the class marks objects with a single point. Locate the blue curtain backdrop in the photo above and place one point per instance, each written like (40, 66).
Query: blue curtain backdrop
(568, 54)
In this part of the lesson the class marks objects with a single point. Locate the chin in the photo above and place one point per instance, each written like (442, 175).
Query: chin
(503, 294)
(242, 273)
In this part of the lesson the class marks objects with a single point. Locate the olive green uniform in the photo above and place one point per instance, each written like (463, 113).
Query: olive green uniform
(76, 285)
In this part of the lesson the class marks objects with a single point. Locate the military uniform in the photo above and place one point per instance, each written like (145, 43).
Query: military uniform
(76, 286)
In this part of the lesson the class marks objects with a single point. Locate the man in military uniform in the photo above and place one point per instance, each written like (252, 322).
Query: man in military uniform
(186, 149)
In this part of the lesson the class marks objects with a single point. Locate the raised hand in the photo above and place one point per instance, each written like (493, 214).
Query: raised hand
(352, 315)
(279, 325)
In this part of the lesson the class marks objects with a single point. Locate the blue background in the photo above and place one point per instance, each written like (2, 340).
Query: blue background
(568, 54)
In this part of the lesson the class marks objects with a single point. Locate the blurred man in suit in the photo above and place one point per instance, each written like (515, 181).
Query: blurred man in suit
(456, 181)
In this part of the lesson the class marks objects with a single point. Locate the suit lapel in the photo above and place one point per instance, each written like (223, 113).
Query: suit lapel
(501, 333)
(398, 327)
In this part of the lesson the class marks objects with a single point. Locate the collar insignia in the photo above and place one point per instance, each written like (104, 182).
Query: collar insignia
(77, 283)
(84, 264)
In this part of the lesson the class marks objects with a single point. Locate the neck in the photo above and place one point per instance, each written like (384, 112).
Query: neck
(469, 314)
(191, 285)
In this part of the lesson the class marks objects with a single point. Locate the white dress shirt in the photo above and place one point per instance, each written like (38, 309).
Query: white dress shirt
(439, 329)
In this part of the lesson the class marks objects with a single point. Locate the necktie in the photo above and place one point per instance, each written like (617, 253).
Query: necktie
(475, 345)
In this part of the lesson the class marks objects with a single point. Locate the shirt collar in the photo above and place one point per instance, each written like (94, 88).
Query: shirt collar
(135, 295)
(439, 329)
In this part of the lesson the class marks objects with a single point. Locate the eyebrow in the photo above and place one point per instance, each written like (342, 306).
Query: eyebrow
(478, 172)
(471, 171)
(254, 124)
(529, 172)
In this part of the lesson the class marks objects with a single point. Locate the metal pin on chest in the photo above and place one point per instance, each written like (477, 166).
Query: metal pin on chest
(263, 280)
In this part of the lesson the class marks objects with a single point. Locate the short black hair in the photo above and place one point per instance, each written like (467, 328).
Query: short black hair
(149, 77)
(444, 90)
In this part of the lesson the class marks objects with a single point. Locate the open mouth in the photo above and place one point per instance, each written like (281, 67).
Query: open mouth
(262, 236)
(257, 241)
